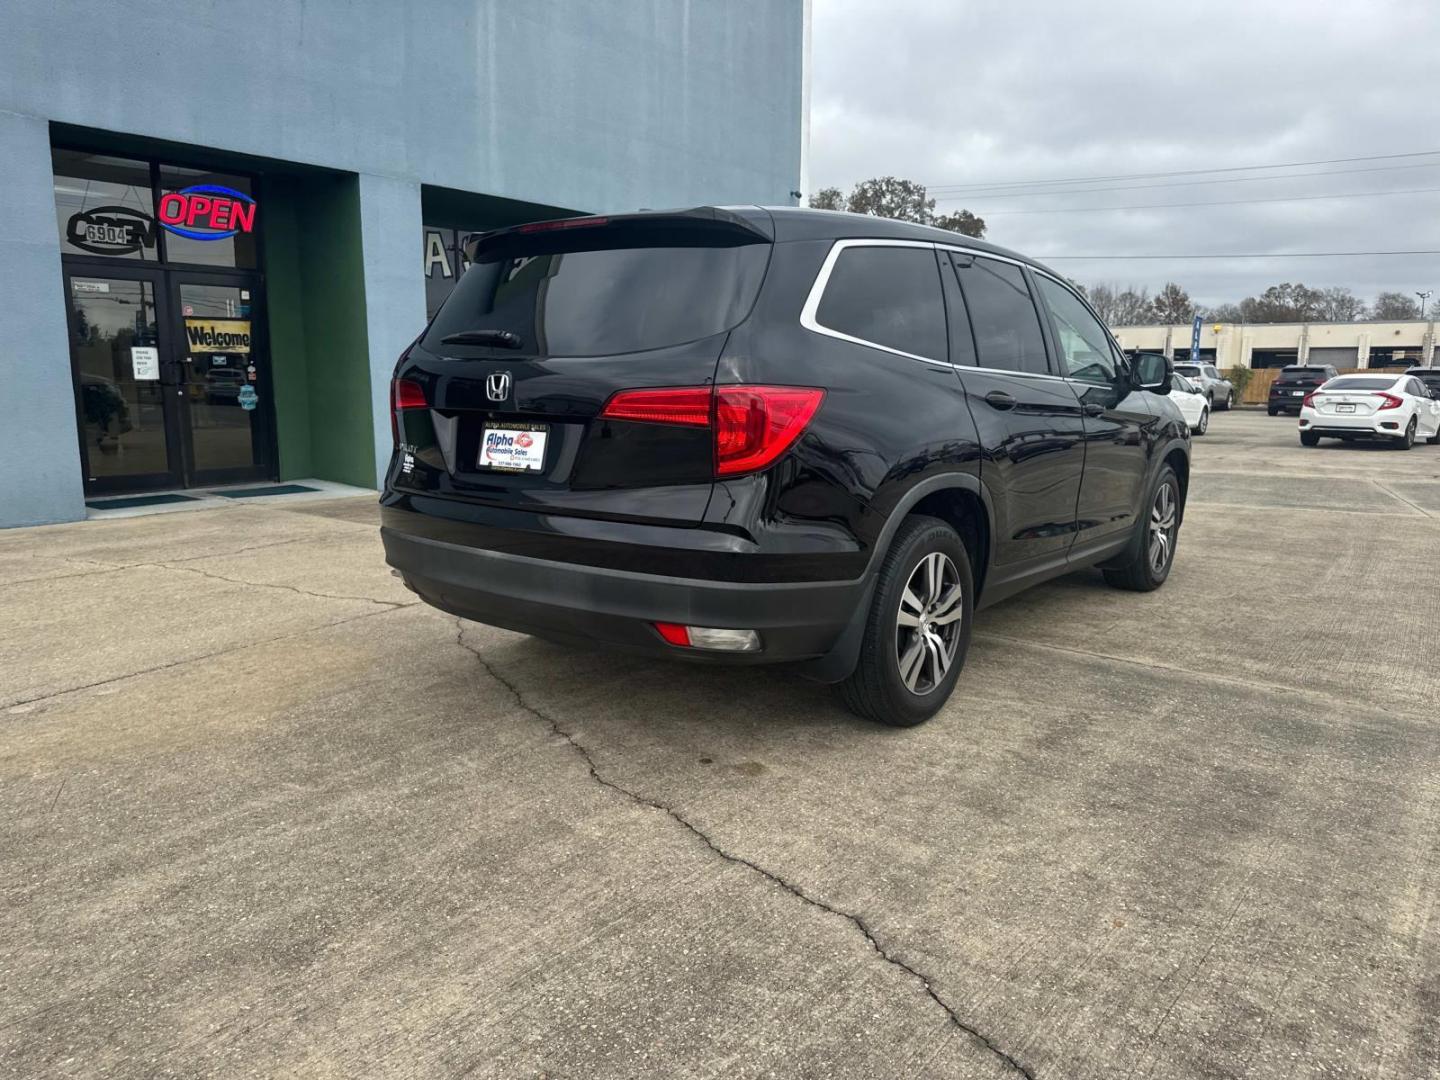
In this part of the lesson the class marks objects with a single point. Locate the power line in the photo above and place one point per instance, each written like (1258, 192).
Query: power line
(1233, 255)
(1180, 183)
(1224, 202)
(1182, 172)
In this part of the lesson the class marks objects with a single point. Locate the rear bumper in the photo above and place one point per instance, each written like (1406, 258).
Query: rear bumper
(573, 602)
(1362, 427)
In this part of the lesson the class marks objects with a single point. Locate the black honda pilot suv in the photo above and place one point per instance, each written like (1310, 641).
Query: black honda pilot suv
(751, 435)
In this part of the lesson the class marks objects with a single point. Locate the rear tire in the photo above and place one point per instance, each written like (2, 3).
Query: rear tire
(1272, 412)
(1408, 439)
(1151, 554)
(1204, 425)
(917, 620)
(1309, 438)
(1434, 440)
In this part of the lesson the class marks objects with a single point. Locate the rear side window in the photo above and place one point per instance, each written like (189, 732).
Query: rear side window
(601, 300)
(1003, 316)
(887, 296)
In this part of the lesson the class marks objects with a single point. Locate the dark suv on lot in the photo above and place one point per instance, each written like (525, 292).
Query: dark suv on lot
(756, 435)
(1287, 392)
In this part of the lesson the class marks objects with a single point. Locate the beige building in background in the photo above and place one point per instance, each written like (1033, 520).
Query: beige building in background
(1272, 345)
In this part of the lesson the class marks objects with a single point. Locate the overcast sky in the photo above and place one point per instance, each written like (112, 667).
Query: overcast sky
(979, 91)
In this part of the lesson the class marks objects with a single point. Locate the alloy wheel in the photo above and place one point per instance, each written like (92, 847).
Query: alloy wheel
(927, 623)
(1163, 523)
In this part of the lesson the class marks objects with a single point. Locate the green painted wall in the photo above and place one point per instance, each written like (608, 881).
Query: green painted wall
(284, 290)
(315, 293)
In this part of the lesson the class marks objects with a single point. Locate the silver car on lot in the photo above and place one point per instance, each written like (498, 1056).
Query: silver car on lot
(1218, 390)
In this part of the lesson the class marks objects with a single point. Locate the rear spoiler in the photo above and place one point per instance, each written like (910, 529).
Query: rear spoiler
(703, 226)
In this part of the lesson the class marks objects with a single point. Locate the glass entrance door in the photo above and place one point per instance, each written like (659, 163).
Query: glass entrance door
(172, 379)
(125, 399)
(224, 378)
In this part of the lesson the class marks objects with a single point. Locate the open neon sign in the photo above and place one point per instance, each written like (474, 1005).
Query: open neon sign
(207, 212)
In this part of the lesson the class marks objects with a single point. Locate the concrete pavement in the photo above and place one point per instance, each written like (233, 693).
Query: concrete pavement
(264, 815)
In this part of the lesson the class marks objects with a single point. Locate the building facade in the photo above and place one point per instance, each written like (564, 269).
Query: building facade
(1272, 345)
(220, 225)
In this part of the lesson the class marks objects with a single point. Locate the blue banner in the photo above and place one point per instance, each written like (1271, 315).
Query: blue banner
(1195, 341)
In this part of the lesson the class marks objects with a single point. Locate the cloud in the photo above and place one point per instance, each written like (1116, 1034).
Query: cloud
(976, 91)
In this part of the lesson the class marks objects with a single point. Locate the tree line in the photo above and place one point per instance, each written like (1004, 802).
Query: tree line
(1132, 305)
(1289, 302)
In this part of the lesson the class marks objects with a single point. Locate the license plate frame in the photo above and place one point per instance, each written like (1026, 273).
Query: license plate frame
(1345, 408)
(519, 449)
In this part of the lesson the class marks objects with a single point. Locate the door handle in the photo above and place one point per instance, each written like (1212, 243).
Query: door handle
(1000, 399)
(1091, 409)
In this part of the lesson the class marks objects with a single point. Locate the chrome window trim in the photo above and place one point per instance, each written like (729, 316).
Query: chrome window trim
(817, 291)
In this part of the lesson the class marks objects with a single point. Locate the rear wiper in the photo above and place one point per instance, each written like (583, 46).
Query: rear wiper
(503, 339)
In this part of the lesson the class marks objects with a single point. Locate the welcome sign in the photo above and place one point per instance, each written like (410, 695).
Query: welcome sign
(218, 335)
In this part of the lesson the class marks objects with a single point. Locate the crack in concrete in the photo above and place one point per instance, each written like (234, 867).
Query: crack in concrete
(11, 705)
(275, 585)
(641, 800)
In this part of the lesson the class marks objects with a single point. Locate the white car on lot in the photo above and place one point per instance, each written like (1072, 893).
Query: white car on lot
(1192, 402)
(1394, 407)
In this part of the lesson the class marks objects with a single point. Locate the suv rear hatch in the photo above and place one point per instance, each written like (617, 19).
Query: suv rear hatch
(506, 386)
(1297, 382)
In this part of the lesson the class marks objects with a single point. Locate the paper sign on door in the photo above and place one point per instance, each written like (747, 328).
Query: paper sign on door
(145, 362)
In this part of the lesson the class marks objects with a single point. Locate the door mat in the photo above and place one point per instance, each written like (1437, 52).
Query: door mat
(272, 489)
(136, 500)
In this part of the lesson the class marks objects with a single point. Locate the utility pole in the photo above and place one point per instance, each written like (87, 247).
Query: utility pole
(1423, 297)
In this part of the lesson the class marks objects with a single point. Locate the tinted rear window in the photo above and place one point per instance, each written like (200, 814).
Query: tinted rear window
(887, 296)
(1360, 384)
(1188, 371)
(583, 300)
(1305, 375)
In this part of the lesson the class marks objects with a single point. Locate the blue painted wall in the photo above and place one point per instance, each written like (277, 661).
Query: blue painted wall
(604, 106)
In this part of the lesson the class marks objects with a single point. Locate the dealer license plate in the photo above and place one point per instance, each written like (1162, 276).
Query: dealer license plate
(1297, 393)
(1344, 408)
(513, 447)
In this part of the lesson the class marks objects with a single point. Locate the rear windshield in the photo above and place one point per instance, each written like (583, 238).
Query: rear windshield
(1186, 369)
(1360, 383)
(1291, 374)
(572, 295)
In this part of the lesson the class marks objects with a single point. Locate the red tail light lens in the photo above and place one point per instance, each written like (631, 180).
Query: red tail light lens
(674, 633)
(1309, 401)
(688, 405)
(1391, 401)
(404, 394)
(754, 425)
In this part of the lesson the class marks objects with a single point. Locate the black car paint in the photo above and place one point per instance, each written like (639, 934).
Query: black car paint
(1059, 477)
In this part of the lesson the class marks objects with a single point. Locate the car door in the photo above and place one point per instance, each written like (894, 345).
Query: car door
(1119, 421)
(1027, 417)
(1426, 407)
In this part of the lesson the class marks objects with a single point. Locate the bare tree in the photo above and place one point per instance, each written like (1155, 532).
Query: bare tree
(1172, 305)
(1339, 304)
(1282, 303)
(1393, 307)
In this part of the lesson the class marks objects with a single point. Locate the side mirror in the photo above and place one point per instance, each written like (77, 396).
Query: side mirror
(1152, 372)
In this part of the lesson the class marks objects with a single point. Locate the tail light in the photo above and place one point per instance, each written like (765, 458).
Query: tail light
(752, 425)
(1309, 400)
(1391, 401)
(404, 394)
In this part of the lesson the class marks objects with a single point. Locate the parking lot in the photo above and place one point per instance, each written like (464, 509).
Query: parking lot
(263, 814)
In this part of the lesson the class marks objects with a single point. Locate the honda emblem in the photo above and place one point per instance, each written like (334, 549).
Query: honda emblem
(497, 385)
